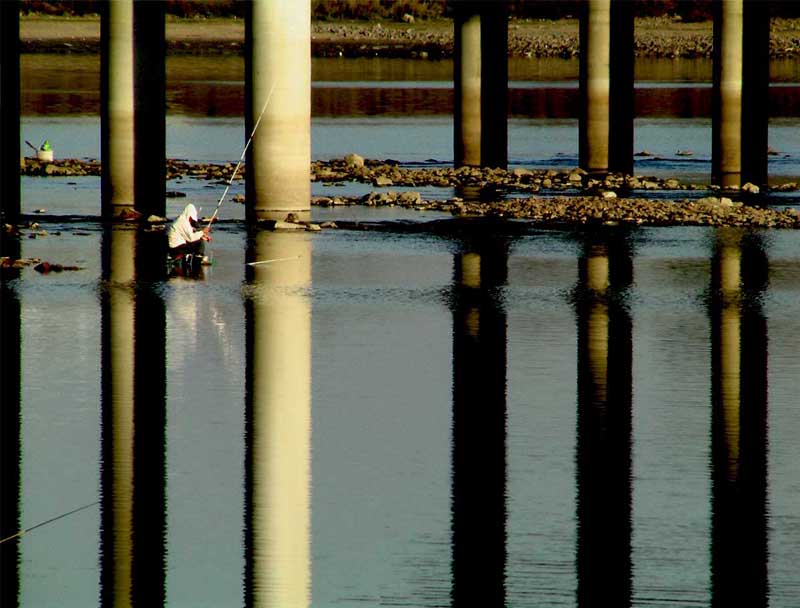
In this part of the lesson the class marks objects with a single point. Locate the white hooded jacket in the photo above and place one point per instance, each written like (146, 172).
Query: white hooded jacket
(181, 231)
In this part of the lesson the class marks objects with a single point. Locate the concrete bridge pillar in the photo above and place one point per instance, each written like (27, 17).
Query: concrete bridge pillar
(740, 114)
(606, 86)
(133, 94)
(150, 173)
(9, 111)
(480, 80)
(278, 420)
(278, 78)
(117, 111)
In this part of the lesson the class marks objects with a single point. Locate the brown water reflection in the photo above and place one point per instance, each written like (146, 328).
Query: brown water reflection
(65, 85)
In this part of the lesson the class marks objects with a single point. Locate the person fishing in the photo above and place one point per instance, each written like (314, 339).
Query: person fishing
(185, 236)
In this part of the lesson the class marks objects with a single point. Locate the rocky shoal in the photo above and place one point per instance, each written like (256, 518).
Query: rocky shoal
(542, 196)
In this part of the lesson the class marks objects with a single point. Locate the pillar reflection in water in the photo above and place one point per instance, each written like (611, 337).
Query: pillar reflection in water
(278, 419)
(479, 424)
(133, 428)
(10, 420)
(739, 422)
(603, 459)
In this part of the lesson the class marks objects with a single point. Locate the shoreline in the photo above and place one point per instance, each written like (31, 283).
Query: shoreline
(654, 37)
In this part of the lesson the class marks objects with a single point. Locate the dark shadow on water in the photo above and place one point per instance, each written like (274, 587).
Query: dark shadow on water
(133, 436)
(604, 427)
(10, 424)
(739, 432)
(478, 491)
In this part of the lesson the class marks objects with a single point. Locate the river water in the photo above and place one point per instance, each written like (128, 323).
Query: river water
(421, 412)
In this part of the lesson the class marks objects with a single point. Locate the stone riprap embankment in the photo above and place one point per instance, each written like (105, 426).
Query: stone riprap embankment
(654, 37)
(543, 196)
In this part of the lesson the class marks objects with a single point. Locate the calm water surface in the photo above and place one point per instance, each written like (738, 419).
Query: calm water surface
(539, 418)
(458, 415)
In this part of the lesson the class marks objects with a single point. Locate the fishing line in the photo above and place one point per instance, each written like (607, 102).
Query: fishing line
(241, 158)
(49, 521)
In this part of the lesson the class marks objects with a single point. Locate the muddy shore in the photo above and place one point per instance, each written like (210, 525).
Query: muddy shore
(654, 37)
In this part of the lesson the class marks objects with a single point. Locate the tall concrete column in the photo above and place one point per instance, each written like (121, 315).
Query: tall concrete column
(9, 111)
(278, 419)
(741, 55)
(739, 435)
(478, 502)
(755, 97)
(604, 425)
(150, 174)
(278, 78)
(117, 111)
(480, 81)
(606, 86)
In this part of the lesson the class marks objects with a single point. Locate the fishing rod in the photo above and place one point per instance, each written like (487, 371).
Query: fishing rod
(49, 521)
(241, 158)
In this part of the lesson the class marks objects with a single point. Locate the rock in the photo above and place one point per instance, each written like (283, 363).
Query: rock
(408, 18)
(382, 181)
(238, 198)
(409, 198)
(672, 184)
(46, 267)
(279, 225)
(128, 214)
(609, 194)
(575, 178)
(521, 172)
(313, 227)
(354, 160)
(750, 188)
